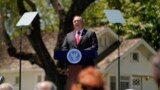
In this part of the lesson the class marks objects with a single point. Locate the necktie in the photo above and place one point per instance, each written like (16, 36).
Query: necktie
(78, 37)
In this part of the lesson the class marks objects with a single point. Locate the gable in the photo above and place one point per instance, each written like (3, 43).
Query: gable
(130, 67)
(145, 51)
(106, 37)
(127, 47)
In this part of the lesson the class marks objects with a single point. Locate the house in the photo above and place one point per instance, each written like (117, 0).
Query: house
(136, 71)
(135, 66)
(31, 73)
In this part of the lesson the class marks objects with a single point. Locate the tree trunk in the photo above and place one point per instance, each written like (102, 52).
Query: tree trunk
(1, 19)
(38, 45)
(42, 56)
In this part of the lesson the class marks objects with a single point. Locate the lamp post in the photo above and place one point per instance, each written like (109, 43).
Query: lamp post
(115, 17)
(24, 21)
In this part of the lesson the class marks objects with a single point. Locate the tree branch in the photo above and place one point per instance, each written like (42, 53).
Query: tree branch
(58, 8)
(38, 45)
(78, 7)
(32, 58)
(115, 3)
(61, 14)
(1, 27)
(31, 4)
(21, 7)
(12, 50)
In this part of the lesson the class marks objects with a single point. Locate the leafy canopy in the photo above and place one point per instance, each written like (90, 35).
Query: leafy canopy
(142, 17)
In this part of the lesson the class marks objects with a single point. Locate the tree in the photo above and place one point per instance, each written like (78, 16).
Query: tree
(145, 22)
(142, 20)
(42, 57)
(1, 26)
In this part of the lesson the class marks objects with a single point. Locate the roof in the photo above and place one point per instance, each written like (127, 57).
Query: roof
(125, 46)
(101, 30)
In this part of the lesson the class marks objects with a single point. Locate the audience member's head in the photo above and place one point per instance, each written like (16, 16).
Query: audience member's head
(6, 86)
(46, 85)
(156, 67)
(90, 79)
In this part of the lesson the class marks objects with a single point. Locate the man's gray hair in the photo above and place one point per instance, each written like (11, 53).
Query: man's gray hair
(46, 84)
(6, 86)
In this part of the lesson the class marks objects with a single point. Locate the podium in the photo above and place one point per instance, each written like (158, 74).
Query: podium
(75, 60)
(87, 55)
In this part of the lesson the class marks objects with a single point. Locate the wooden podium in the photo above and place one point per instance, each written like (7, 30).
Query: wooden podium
(75, 60)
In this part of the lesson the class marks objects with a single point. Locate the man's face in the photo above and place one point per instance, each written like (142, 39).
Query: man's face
(78, 23)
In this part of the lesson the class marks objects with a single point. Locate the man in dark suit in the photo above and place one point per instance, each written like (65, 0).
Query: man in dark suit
(80, 38)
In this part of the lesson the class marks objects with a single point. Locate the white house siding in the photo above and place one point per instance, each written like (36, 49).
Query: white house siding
(105, 39)
(149, 84)
(129, 68)
(29, 79)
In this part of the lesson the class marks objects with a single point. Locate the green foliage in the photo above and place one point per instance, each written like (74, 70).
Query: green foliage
(142, 21)
(49, 20)
(66, 4)
(142, 18)
(10, 13)
(94, 14)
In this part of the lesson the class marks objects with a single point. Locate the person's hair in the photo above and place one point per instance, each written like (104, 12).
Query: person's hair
(6, 86)
(51, 85)
(90, 78)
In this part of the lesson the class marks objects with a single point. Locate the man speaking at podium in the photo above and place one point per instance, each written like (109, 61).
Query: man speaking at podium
(80, 38)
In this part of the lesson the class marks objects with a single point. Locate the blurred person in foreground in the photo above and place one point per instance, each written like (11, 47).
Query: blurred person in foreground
(90, 79)
(45, 85)
(156, 68)
(6, 86)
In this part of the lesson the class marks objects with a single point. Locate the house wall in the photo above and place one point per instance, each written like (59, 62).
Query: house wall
(128, 67)
(28, 81)
(149, 84)
(105, 39)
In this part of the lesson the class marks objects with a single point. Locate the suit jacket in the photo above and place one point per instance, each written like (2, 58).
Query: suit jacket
(88, 41)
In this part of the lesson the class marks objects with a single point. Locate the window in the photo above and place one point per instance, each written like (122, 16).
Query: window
(112, 83)
(136, 82)
(103, 41)
(135, 56)
(124, 81)
(39, 78)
